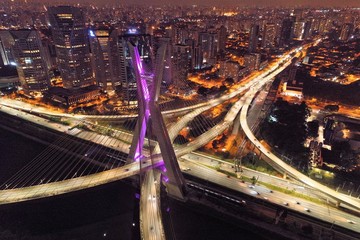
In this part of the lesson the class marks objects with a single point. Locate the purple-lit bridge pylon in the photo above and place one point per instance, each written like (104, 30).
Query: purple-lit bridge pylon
(151, 121)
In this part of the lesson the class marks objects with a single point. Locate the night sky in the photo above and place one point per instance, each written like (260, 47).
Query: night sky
(274, 3)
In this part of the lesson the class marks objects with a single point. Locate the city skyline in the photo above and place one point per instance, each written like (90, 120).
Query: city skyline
(225, 3)
(249, 112)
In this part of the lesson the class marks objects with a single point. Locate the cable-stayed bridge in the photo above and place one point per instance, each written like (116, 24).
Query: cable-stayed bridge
(92, 155)
(102, 155)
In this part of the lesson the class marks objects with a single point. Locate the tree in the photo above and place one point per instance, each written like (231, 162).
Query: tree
(202, 91)
(223, 88)
(229, 81)
(313, 128)
(180, 139)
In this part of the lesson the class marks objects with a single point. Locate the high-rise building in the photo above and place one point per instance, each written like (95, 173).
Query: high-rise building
(222, 39)
(167, 66)
(286, 32)
(298, 32)
(100, 40)
(181, 64)
(269, 35)
(308, 28)
(30, 57)
(253, 38)
(6, 42)
(252, 61)
(208, 42)
(346, 32)
(72, 49)
(324, 26)
(123, 68)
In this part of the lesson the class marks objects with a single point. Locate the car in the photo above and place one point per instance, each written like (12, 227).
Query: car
(286, 204)
(350, 221)
(251, 186)
(297, 202)
(306, 210)
(266, 198)
(271, 191)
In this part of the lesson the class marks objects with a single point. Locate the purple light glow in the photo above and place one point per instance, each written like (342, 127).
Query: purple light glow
(165, 178)
(144, 85)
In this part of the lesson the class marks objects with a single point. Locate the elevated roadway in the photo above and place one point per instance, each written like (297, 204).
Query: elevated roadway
(280, 165)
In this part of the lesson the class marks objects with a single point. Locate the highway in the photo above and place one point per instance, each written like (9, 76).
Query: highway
(323, 212)
(279, 164)
(151, 226)
(79, 183)
(34, 193)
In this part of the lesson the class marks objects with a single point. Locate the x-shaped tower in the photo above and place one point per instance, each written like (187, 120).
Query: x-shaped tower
(151, 120)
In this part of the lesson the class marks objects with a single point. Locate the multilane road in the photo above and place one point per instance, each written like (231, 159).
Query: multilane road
(279, 164)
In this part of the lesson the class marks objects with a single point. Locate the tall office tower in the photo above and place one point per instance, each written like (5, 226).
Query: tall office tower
(181, 64)
(253, 38)
(3, 57)
(6, 42)
(324, 26)
(213, 47)
(30, 58)
(101, 50)
(167, 69)
(346, 32)
(308, 28)
(180, 34)
(191, 44)
(208, 42)
(269, 35)
(222, 39)
(72, 49)
(286, 32)
(298, 32)
(124, 69)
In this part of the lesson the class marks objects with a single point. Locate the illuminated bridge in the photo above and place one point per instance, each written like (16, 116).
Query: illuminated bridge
(91, 154)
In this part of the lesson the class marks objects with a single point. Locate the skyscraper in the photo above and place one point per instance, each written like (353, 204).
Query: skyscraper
(222, 39)
(298, 31)
(71, 42)
(269, 34)
(6, 42)
(30, 57)
(346, 31)
(100, 48)
(123, 68)
(181, 63)
(286, 32)
(208, 42)
(253, 38)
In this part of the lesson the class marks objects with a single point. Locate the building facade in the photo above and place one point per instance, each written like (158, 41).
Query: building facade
(70, 37)
(30, 58)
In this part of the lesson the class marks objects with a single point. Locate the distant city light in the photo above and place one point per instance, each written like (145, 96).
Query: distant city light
(132, 31)
(91, 33)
